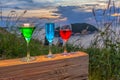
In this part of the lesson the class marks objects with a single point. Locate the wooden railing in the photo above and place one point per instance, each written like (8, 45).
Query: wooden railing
(72, 67)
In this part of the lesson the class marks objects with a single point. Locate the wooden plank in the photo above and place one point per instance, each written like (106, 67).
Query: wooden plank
(73, 67)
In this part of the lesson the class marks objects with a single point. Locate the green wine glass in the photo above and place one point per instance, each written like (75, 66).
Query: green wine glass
(27, 30)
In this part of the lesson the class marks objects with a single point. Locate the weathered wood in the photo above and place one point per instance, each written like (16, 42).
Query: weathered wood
(72, 67)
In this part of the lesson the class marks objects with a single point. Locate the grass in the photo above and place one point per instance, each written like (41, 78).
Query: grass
(105, 60)
(104, 53)
(104, 64)
(14, 46)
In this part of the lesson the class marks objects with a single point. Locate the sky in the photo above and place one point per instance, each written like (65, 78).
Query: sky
(71, 11)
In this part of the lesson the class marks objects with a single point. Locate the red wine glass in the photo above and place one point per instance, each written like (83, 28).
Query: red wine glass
(65, 33)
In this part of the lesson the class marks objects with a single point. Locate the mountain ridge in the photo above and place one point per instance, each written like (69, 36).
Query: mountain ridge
(80, 29)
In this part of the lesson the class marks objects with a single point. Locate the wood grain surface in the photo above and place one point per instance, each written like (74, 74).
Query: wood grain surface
(72, 67)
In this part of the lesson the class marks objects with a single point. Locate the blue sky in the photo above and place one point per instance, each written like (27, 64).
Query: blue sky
(45, 4)
(70, 10)
(37, 4)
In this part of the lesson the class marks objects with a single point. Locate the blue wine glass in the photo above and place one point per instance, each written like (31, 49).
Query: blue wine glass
(49, 33)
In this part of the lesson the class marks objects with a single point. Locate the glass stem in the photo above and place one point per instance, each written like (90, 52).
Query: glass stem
(50, 52)
(65, 50)
(28, 52)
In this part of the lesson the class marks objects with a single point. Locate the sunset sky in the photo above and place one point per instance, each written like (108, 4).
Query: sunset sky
(72, 10)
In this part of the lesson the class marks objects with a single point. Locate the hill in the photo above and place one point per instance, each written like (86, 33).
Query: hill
(80, 29)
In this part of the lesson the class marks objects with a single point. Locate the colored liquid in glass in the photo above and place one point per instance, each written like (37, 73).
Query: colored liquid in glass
(65, 34)
(27, 32)
(49, 29)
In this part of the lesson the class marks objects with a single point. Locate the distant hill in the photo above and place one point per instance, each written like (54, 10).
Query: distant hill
(80, 29)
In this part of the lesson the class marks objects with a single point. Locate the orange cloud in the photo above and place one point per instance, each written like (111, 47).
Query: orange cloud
(116, 14)
(41, 13)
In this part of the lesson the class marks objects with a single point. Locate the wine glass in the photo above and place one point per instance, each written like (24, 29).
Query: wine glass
(27, 30)
(49, 30)
(65, 33)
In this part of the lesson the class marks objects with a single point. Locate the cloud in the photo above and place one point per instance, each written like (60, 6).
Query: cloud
(43, 1)
(73, 13)
(71, 10)
(76, 14)
(26, 4)
(35, 4)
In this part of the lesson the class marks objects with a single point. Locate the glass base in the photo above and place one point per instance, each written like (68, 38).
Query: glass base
(50, 56)
(73, 52)
(65, 54)
(25, 59)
